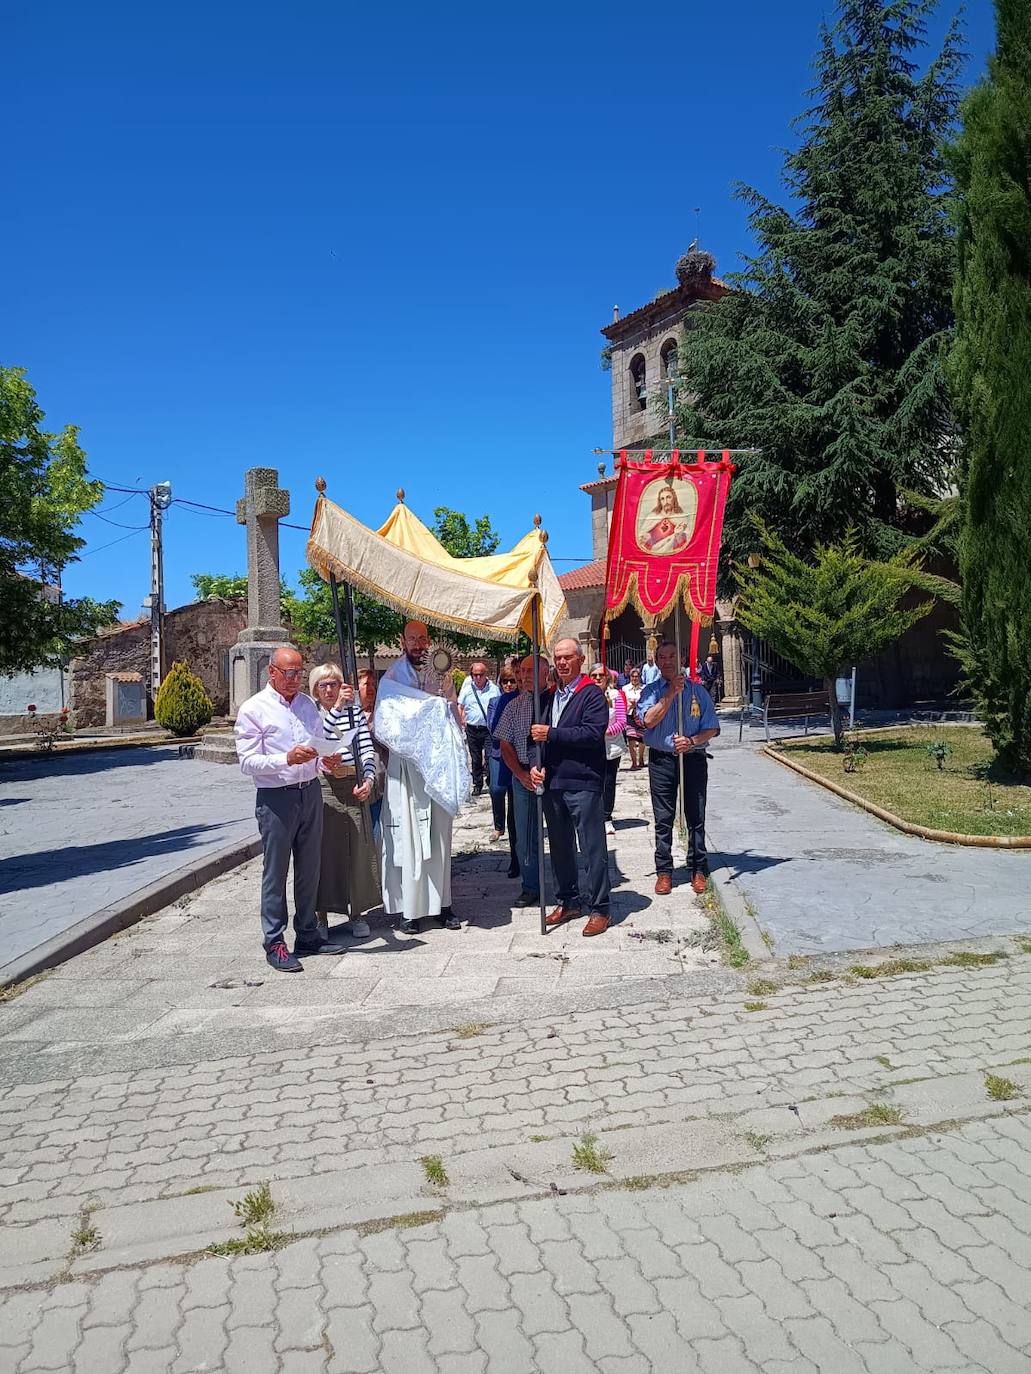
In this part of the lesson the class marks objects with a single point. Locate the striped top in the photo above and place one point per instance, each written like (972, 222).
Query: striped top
(353, 718)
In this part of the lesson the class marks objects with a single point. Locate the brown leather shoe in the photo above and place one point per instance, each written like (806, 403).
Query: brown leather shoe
(664, 884)
(699, 882)
(596, 924)
(561, 915)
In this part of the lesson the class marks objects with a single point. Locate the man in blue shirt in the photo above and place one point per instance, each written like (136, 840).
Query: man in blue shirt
(476, 697)
(657, 715)
(650, 672)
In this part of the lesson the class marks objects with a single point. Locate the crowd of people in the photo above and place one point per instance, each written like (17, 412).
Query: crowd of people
(357, 784)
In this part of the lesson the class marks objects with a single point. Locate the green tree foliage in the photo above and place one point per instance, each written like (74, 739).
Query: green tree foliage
(44, 489)
(311, 615)
(461, 539)
(213, 585)
(990, 368)
(827, 352)
(828, 613)
(182, 705)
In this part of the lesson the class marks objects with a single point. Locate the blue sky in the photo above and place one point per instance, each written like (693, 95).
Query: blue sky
(377, 246)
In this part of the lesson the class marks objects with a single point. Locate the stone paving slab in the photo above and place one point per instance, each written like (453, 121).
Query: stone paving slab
(823, 875)
(80, 832)
(847, 1261)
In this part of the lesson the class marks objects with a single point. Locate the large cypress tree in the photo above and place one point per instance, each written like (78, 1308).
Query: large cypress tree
(990, 366)
(828, 352)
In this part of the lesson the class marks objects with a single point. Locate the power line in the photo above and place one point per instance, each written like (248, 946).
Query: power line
(117, 523)
(140, 529)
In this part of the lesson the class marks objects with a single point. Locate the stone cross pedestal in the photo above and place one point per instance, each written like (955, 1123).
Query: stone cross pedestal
(263, 504)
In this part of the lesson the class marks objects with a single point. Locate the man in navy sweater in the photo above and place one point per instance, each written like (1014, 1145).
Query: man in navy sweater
(574, 720)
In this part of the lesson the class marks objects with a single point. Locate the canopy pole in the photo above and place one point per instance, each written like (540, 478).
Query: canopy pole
(538, 760)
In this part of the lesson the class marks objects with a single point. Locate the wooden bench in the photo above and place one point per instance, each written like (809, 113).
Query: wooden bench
(790, 706)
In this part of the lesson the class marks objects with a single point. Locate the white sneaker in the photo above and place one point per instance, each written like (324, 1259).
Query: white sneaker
(610, 829)
(360, 930)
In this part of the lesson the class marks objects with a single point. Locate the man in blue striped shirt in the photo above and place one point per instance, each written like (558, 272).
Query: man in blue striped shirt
(658, 716)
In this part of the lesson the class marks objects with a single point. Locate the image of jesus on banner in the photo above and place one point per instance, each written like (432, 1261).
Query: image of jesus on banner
(666, 516)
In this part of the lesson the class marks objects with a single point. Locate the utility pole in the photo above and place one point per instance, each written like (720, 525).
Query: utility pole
(160, 500)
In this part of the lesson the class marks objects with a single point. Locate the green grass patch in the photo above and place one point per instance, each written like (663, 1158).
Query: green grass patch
(637, 1183)
(883, 1060)
(878, 1114)
(257, 1241)
(757, 1006)
(1000, 1089)
(970, 795)
(763, 987)
(891, 968)
(1024, 945)
(967, 958)
(85, 1236)
(757, 1140)
(589, 1156)
(731, 945)
(256, 1207)
(469, 1029)
(404, 1221)
(821, 975)
(433, 1168)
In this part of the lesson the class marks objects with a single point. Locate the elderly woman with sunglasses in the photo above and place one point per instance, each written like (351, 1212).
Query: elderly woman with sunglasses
(349, 877)
(615, 738)
(498, 771)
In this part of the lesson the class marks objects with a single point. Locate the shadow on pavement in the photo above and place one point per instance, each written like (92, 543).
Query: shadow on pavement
(76, 861)
(82, 765)
(746, 862)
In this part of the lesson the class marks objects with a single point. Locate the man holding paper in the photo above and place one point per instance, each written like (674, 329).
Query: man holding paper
(279, 742)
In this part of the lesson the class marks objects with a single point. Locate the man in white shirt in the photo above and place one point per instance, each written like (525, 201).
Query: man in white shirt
(416, 829)
(475, 698)
(651, 672)
(274, 732)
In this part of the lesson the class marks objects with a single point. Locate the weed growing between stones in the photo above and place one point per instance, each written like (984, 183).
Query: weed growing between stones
(85, 1236)
(1000, 1089)
(12, 990)
(589, 1156)
(254, 1211)
(878, 1114)
(403, 1221)
(763, 987)
(821, 975)
(727, 933)
(883, 1060)
(1024, 945)
(968, 958)
(637, 1183)
(757, 1006)
(468, 1029)
(433, 1168)
(891, 968)
(757, 1140)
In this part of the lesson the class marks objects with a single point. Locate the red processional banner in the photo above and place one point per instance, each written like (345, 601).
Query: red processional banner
(664, 541)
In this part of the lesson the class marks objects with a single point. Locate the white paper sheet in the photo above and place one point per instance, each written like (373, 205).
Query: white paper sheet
(343, 745)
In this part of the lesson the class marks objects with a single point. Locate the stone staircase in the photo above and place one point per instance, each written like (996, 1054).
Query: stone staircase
(217, 746)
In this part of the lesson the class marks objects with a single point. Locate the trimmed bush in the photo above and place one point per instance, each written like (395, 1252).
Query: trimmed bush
(182, 704)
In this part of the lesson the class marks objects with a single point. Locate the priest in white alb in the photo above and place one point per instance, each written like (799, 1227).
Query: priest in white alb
(419, 720)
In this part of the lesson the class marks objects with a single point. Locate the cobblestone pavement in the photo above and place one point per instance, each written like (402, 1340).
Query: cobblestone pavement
(891, 1257)
(823, 875)
(747, 1218)
(80, 831)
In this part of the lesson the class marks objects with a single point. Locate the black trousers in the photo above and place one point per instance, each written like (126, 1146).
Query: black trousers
(478, 739)
(609, 795)
(577, 818)
(664, 779)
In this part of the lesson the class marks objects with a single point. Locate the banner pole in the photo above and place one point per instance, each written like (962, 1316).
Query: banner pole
(681, 823)
(538, 818)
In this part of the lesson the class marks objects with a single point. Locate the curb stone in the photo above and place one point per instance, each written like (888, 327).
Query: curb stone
(95, 928)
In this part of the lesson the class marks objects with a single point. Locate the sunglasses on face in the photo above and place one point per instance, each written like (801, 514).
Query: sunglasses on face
(287, 672)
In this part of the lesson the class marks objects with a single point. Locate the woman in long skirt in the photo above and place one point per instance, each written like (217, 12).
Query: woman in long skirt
(349, 878)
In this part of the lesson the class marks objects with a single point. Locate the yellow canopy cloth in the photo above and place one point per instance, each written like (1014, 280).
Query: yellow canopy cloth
(405, 566)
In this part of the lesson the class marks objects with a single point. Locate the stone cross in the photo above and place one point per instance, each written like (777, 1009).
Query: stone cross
(262, 506)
